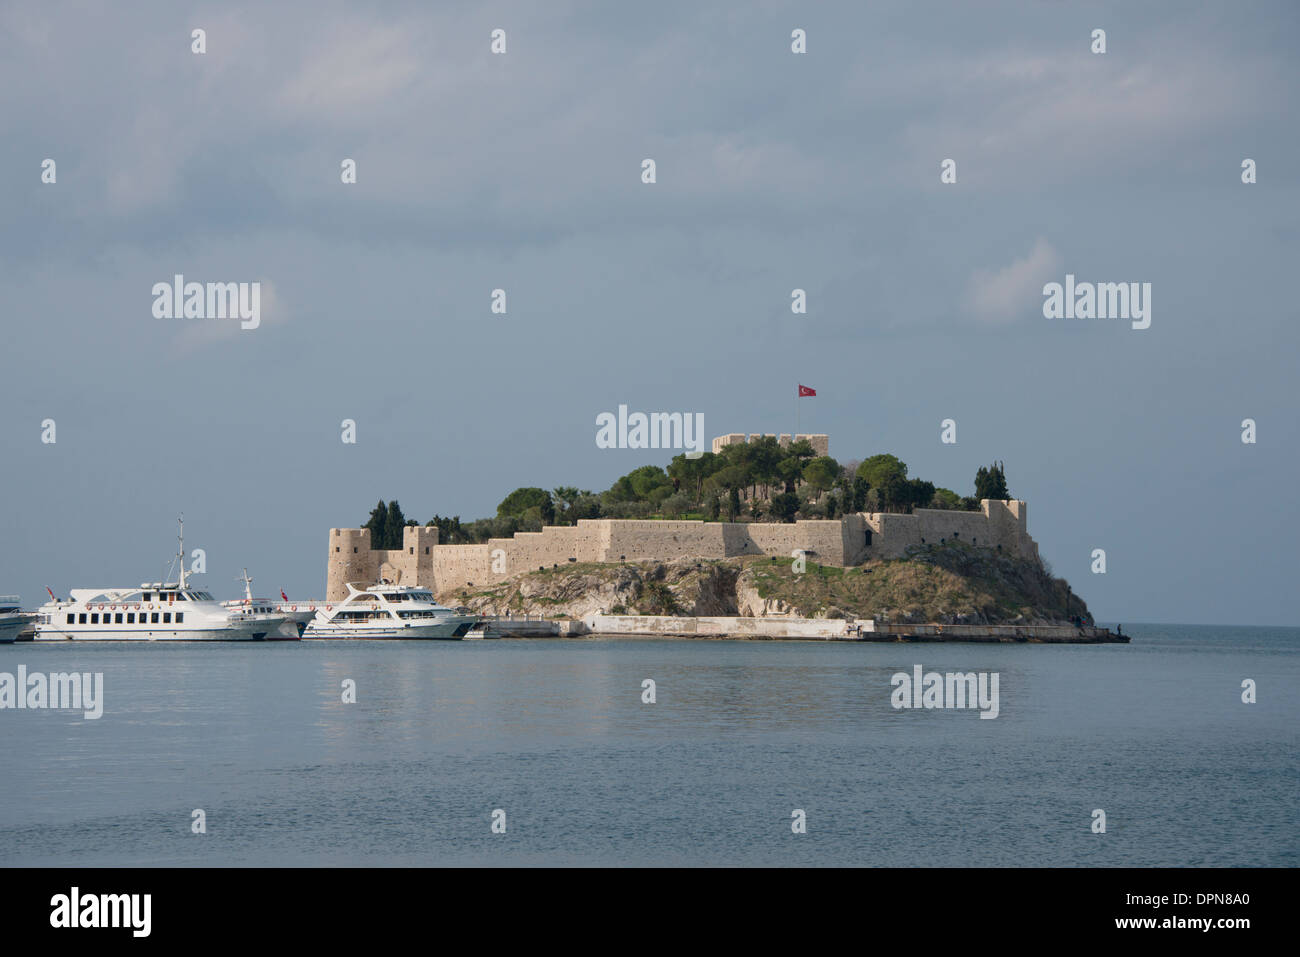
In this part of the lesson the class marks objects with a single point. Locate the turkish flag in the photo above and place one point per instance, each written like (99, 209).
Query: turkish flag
(283, 595)
(804, 390)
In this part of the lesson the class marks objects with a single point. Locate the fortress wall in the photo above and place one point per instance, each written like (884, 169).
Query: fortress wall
(350, 559)
(997, 523)
(455, 566)
(651, 540)
(891, 533)
(969, 527)
(448, 568)
(736, 540)
(824, 538)
(853, 539)
(553, 545)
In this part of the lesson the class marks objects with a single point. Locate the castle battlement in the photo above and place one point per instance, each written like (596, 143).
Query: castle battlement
(850, 540)
(820, 442)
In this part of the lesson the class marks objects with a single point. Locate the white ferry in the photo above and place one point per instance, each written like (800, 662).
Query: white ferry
(161, 611)
(296, 614)
(388, 611)
(13, 620)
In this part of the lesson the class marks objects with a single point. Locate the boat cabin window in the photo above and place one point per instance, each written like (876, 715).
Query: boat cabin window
(146, 596)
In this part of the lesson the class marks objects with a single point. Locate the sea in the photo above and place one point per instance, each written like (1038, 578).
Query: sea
(740, 753)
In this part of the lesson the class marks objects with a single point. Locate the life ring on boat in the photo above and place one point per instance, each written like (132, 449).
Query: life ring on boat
(101, 607)
(137, 606)
(329, 607)
(294, 608)
(150, 605)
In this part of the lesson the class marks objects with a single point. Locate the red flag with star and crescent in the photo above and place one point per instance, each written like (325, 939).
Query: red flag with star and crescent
(804, 390)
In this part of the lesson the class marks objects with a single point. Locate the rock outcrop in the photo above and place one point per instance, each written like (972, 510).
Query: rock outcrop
(952, 583)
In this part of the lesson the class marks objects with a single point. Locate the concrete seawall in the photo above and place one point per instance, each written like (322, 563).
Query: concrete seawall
(835, 629)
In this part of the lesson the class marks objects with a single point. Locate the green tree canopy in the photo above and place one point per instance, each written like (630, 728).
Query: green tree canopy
(522, 499)
(821, 473)
(879, 470)
(378, 525)
(991, 482)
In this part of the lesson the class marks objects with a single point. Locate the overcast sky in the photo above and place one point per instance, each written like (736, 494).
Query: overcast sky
(522, 171)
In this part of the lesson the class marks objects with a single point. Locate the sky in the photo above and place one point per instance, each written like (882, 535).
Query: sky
(522, 171)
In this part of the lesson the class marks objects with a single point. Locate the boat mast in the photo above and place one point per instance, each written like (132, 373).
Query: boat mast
(182, 552)
(248, 586)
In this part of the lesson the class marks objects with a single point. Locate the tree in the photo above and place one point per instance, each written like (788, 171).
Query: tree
(564, 498)
(879, 469)
(860, 489)
(784, 506)
(715, 508)
(802, 450)
(919, 493)
(821, 473)
(522, 499)
(946, 498)
(377, 525)
(733, 503)
(789, 471)
(394, 522)
(991, 482)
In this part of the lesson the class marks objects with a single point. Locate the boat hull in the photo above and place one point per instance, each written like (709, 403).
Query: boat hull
(11, 626)
(250, 632)
(450, 628)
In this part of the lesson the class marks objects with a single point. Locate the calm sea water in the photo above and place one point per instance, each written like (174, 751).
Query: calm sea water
(555, 734)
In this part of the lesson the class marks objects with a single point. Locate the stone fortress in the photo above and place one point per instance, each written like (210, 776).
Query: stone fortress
(851, 540)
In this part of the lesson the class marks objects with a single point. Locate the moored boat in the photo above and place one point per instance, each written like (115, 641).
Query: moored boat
(388, 611)
(13, 620)
(157, 611)
(296, 615)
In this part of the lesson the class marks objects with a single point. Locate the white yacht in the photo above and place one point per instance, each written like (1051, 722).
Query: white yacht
(388, 611)
(13, 620)
(296, 614)
(158, 611)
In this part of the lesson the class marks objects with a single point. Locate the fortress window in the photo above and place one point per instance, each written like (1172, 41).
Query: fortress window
(426, 549)
(868, 536)
(336, 548)
(412, 550)
(354, 551)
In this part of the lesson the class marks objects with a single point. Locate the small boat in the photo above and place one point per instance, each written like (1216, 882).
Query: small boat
(295, 616)
(157, 611)
(388, 611)
(13, 620)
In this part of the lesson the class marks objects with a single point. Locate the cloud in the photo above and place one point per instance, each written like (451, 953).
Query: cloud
(1004, 294)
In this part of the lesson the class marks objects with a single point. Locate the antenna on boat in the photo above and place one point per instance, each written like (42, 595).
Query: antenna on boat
(248, 585)
(182, 552)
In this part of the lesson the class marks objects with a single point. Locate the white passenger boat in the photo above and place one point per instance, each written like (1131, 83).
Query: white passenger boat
(296, 614)
(13, 620)
(158, 611)
(388, 611)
